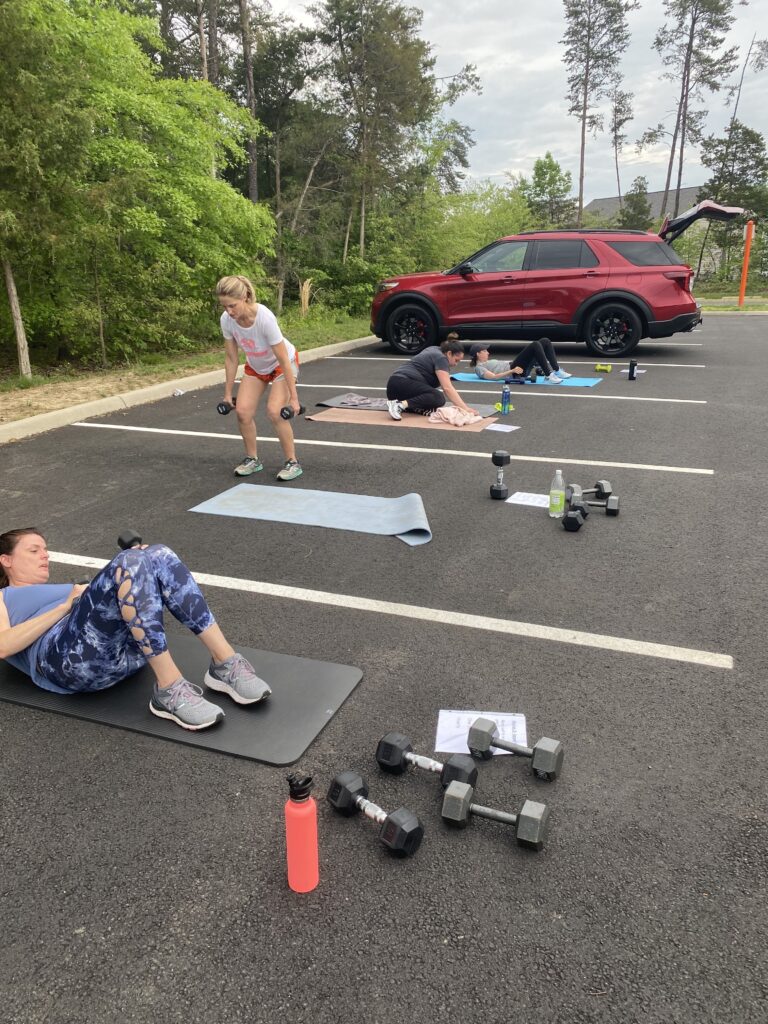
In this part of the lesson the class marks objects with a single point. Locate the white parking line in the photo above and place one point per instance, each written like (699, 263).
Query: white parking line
(549, 459)
(570, 362)
(623, 645)
(519, 390)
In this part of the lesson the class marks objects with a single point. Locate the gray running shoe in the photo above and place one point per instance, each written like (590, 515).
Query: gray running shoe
(184, 704)
(236, 677)
(290, 470)
(249, 465)
(394, 409)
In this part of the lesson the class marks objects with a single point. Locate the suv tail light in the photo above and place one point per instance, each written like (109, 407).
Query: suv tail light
(683, 276)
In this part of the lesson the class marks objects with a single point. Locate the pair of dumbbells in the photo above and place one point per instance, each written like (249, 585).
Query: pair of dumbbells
(578, 504)
(401, 831)
(458, 777)
(287, 413)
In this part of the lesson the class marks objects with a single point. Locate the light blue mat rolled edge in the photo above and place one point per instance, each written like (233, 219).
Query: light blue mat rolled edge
(402, 517)
(572, 382)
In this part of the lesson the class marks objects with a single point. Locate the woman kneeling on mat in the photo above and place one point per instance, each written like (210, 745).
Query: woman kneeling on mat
(413, 387)
(269, 359)
(77, 639)
(537, 353)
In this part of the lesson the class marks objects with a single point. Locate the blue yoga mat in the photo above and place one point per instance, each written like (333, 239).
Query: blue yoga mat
(572, 382)
(402, 517)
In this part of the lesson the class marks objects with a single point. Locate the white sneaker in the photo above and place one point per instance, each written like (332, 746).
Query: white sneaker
(563, 374)
(394, 409)
(554, 379)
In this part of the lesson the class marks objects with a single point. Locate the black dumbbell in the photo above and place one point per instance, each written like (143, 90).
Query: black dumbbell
(611, 505)
(128, 539)
(225, 408)
(500, 459)
(287, 412)
(546, 754)
(531, 823)
(395, 752)
(573, 520)
(401, 831)
(602, 489)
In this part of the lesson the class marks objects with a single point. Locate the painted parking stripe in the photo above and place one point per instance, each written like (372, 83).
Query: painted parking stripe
(622, 645)
(549, 460)
(521, 391)
(570, 362)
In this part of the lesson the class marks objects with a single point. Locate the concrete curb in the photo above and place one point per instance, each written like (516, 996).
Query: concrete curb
(18, 429)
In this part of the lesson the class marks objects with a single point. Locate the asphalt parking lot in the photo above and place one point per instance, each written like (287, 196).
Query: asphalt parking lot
(144, 881)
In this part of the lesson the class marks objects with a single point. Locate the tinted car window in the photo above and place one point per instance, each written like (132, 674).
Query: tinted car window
(561, 254)
(504, 256)
(646, 254)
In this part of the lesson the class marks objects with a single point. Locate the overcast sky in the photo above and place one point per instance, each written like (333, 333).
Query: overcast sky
(521, 113)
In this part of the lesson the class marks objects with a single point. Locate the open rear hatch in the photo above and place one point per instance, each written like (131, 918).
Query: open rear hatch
(672, 229)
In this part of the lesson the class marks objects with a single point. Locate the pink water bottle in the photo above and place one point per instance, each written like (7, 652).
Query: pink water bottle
(301, 834)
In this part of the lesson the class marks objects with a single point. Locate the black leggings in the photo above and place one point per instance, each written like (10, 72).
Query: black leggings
(421, 397)
(541, 353)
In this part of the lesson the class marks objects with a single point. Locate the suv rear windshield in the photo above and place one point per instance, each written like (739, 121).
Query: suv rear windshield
(646, 254)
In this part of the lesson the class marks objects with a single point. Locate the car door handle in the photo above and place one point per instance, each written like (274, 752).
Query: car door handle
(506, 280)
(592, 273)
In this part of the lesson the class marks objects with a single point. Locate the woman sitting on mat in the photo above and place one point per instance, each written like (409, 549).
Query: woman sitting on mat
(269, 359)
(536, 353)
(77, 639)
(413, 387)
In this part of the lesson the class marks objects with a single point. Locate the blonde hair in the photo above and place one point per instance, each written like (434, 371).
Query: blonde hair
(236, 287)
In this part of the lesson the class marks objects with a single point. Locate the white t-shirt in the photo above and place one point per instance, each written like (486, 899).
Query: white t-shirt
(258, 339)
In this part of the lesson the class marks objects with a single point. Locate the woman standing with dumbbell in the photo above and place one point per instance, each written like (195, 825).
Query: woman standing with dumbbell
(248, 326)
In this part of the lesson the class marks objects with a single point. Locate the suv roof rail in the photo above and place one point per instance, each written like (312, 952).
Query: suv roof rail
(585, 231)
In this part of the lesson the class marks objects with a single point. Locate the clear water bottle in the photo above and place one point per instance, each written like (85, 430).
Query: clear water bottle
(505, 403)
(557, 495)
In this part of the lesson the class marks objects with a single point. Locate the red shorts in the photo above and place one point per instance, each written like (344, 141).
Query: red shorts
(268, 377)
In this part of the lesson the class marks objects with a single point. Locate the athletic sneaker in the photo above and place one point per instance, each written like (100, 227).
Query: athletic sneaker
(249, 465)
(290, 470)
(553, 378)
(563, 374)
(183, 703)
(236, 677)
(394, 409)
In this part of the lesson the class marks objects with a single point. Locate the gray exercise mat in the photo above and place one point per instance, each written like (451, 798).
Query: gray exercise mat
(402, 517)
(354, 401)
(306, 694)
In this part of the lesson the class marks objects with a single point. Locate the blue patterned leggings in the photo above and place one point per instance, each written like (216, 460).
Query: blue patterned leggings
(117, 623)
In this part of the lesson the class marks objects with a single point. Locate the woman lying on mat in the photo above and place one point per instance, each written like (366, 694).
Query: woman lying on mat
(413, 387)
(536, 353)
(76, 639)
(269, 358)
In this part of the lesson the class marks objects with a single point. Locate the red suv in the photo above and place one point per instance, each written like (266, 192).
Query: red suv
(608, 288)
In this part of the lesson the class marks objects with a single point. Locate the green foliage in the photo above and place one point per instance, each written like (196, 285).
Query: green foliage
(112, 220)
(635, 212)
(548, 194)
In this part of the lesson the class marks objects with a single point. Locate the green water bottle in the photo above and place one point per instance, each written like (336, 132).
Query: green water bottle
(557, 495)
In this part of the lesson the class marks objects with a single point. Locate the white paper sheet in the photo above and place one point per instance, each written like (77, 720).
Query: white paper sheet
(453, 726)
(524, 498)
(505, 428)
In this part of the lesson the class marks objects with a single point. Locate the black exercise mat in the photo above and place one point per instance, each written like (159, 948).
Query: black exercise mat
(352, 400)
(306, 694)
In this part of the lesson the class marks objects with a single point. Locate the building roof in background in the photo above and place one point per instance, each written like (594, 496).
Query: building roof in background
(610, 207)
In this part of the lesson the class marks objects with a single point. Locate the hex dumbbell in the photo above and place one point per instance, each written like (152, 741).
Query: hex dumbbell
(500, 459)
(602, 489)
(573, 520)
(531, 823)
(225, 408)
(287, 412)
(546, 754)
(603, 367)
(128, 539)
(611, 505)
(394, 754)
(401, 831)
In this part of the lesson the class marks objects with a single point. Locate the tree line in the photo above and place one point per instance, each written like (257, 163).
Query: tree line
(149, 146)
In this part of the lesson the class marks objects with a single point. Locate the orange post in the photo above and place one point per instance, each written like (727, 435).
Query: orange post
(745, 265)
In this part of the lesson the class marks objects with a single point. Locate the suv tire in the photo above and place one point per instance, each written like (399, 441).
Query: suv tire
(409, 329)
(612, 329)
